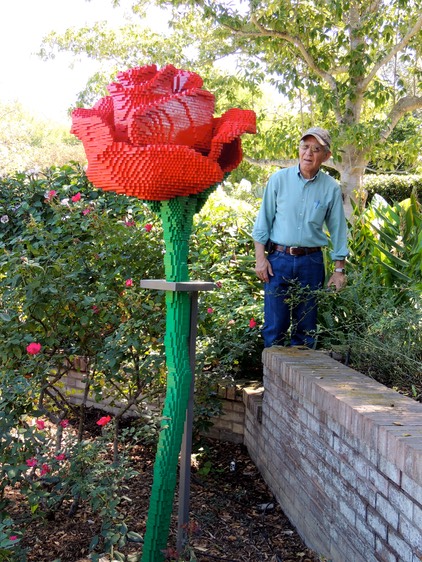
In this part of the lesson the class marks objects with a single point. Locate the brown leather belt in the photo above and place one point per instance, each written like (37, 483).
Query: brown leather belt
(295, 250)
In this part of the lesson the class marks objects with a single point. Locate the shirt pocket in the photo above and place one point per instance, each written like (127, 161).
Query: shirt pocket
(317, 213)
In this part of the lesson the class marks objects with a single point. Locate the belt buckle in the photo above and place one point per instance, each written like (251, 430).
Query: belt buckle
(291, 250)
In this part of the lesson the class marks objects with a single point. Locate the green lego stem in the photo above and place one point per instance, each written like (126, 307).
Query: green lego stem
(177, 218)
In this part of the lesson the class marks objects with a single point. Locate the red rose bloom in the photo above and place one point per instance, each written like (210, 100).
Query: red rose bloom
(155, 136)
(33, 348)
(252, 323)
(104, 420)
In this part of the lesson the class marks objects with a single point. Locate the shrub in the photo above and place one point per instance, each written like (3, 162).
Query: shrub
(393, 187)
(379, 314)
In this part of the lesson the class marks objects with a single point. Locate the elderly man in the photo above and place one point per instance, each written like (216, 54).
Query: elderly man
(289, 235)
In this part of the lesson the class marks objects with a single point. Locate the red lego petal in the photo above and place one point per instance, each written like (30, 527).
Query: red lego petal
(92, 127)
(182, 119)
(153, 172)
(226, 147)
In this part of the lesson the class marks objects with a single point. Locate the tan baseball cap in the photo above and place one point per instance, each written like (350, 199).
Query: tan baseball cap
(321, 135)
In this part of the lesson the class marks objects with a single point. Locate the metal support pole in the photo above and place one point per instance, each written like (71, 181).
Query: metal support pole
(186, 449)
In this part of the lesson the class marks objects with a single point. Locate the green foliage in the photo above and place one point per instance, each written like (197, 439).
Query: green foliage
(401, 153)
(375, 334)
(393, 187)
(377, 318)
(222, 247)
(388, 238)
(28, 143)
(10, 549)
(71, 257)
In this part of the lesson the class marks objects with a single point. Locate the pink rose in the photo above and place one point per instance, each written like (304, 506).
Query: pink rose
(45, 469)
(210, 310)
(50, 194)
(252, 323)
(129, 282)
(60, 457)
(13, 538)
(33, 348)
(76, 197)
(40, 424)
(148, 227)
(64, 423)
(31, 462)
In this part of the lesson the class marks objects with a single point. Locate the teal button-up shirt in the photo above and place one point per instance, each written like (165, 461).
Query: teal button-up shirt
(294, 210)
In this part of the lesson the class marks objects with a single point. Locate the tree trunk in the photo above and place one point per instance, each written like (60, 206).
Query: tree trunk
(352, 168)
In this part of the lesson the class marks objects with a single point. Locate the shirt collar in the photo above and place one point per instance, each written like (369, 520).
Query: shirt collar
(306, 179)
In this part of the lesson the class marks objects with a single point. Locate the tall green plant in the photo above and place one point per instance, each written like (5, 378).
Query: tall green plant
(387, 240)
(379, 313)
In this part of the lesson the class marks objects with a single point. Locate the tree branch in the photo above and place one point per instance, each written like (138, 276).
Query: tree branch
(404, 105)
(396, 49)
(300, 48)
(263, 31)
(283, 162)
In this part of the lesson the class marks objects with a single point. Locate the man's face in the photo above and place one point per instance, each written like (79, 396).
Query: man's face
(311, 156)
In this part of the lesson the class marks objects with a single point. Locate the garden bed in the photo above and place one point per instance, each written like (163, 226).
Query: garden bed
(234, 517)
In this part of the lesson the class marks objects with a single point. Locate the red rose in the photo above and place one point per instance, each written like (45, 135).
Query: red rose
(76, 197)
(104, 420)
(33, 348)
(155, 136)
(40, 424)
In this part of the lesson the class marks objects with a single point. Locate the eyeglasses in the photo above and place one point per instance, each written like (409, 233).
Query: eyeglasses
(314, 149)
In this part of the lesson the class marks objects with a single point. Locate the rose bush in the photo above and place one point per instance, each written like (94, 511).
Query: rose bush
(155, 136)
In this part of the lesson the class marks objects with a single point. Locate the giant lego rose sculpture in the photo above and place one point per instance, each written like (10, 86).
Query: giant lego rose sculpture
(155, 138)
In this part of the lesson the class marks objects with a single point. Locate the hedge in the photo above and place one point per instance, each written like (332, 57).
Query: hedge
(393, 187)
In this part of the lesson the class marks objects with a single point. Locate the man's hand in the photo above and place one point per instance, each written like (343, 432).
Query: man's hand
(338, 280)
(263, 267)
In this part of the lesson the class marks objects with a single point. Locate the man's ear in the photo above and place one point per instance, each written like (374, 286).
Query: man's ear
(327, 156)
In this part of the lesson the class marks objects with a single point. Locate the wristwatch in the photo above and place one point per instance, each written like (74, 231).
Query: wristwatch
(340, 270)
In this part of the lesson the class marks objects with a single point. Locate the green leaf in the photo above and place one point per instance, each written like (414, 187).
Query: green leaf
(132, 536)
(94, 542)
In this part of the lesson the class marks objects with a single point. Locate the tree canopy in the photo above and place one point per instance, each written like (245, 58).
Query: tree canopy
(352, 67)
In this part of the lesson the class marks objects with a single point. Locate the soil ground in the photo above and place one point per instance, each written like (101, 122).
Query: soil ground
(233, 516)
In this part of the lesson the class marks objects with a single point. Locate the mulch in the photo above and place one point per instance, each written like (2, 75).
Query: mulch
(233, 515)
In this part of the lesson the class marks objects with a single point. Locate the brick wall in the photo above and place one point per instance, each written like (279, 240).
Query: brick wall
(230, 425)
(73, 384)
(342, 455)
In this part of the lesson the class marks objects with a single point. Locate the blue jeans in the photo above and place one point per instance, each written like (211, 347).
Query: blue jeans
(290, 300)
